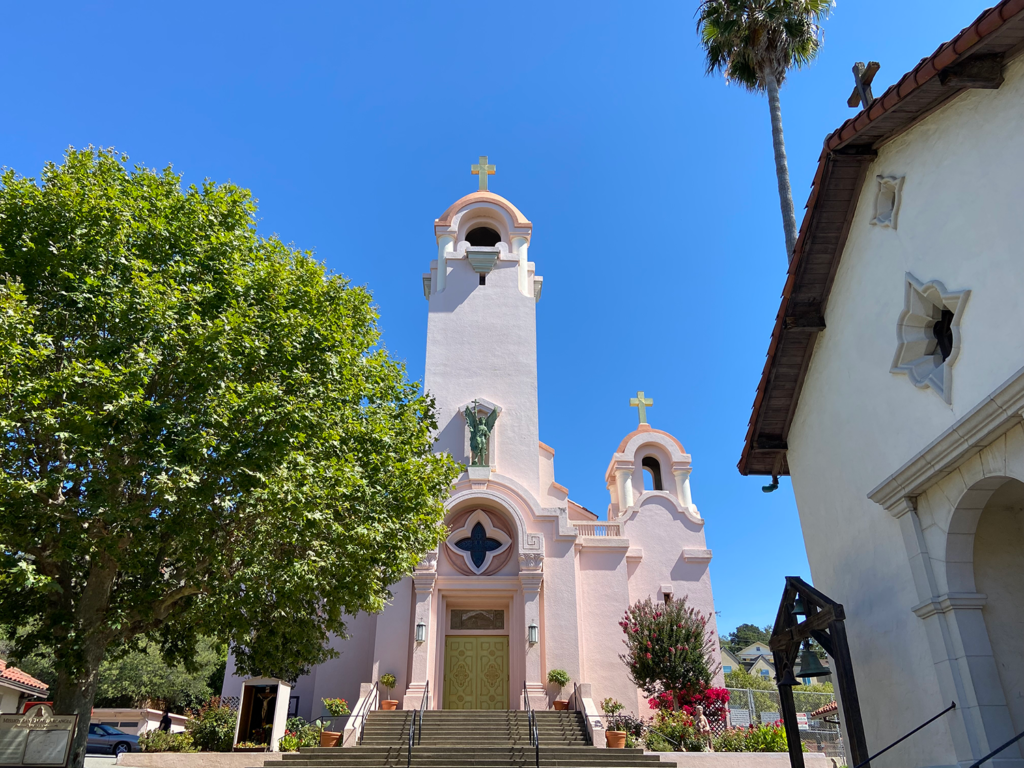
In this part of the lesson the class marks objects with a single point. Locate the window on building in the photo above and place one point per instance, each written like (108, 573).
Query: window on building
(652, 474)
(726, 669)
(764, 673)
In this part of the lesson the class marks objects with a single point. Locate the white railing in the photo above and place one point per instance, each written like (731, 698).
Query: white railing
(598, 529)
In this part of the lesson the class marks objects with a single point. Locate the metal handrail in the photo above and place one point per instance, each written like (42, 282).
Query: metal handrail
(424, 704)
(576, 708)
(361, 719)
(997, 750)
(908, 735)
(412, 725)
(531, 722)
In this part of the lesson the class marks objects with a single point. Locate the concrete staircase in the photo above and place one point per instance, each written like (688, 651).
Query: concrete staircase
(469, 739)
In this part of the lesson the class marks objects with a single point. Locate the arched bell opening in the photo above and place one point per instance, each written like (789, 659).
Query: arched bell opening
(652, 474)
(483, 237)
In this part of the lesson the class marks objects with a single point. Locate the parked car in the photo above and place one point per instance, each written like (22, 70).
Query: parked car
(109, 740)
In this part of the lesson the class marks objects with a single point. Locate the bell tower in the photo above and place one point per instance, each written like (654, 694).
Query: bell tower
(482, 332)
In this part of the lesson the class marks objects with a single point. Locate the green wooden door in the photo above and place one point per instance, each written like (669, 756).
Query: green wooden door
(476, 672)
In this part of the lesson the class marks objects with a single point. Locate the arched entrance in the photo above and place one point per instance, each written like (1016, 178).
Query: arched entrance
(985, 560)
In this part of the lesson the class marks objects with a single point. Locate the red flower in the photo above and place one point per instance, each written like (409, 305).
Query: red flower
(647, 654)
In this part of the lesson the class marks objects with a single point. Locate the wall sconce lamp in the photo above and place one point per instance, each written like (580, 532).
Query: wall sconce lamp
(533, 634)
(421, 632)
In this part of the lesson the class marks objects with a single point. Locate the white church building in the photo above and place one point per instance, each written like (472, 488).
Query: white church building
(527, 580)
(893, 395)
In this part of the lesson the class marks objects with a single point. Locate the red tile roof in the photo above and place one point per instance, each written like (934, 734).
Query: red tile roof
(828, 709)
(836, 187)
(16, 676)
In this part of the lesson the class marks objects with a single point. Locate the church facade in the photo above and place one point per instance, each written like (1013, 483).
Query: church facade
(527, 580)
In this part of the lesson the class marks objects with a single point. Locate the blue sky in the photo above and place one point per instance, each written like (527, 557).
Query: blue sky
(650, 186)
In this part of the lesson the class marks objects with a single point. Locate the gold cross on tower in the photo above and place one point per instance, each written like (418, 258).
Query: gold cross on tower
(641, 402)
(483, 170)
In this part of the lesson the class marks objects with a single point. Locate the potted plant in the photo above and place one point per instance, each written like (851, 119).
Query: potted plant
(388, 681)
(560, 678)
(615, 733)
(335, 708)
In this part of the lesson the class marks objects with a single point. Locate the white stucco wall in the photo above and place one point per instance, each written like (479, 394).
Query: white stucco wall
(959, 222)
(482, 343)
(8, 700)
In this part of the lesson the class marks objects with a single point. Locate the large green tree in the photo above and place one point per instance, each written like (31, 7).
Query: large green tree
(755, 43)
(201, 432)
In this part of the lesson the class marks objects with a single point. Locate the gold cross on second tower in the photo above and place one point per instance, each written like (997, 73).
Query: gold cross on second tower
(642, 403)
(483, 170)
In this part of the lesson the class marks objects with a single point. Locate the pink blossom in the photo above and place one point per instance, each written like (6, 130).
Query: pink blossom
(647, 655)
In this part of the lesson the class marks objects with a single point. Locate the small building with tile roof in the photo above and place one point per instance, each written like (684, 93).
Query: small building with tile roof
(16, 687)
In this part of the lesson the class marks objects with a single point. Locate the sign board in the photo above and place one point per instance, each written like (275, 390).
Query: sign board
(801, 720)
(36, 738)
(739, 717)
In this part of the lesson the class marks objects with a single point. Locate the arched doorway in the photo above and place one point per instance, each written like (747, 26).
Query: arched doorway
(999, 575)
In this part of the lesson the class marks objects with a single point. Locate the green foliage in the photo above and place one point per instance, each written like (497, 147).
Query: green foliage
(611, 706)
(388, 681)
(290, 742)
(746, 634)
(201, 434)
(731, 740)
(162, 741)
(766, 738)
(558, 677)
(747, 40)
(336, 707)
(250, 745)
(132, 678)
(212, 728)
(667, 647)
(807, 698)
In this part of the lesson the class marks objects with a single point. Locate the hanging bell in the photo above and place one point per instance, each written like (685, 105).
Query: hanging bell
(798, 607)
(788, 678)
(810, 664)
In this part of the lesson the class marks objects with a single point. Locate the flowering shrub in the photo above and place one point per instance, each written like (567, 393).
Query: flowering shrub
(668, 648)
(714, 700)
(249, 745)
(673, 731)
(290, 742)
(307, 734)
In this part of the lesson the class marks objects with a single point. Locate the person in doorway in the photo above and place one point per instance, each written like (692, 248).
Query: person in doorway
(165, 721)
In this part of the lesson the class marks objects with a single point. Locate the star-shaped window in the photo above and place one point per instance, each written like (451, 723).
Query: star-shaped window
(928, 335)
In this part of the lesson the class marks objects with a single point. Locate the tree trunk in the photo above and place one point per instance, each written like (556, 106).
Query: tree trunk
(74, 695)
(781, 166)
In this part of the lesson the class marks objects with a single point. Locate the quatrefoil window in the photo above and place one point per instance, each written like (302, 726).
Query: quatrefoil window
(928, 335)
(478, 541)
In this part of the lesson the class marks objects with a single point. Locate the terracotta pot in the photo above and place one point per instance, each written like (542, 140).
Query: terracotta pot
(615, 739)
(329, 738)
(561, 706)
(389, 704)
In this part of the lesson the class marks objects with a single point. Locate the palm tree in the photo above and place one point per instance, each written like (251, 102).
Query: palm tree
(754, 43)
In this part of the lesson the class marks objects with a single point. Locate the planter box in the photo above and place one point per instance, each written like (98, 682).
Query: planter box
(250, 749)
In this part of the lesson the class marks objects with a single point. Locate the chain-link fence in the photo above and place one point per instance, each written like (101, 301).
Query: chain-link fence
(818, 734)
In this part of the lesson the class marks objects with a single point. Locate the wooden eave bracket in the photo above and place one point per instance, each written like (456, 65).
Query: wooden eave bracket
(975, 72)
